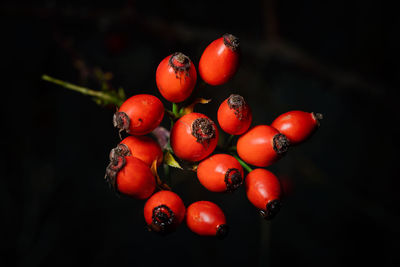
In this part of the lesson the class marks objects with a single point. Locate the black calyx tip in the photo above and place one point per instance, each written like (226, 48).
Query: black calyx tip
(238, 104)
(231, 41)
(271, 209)
(120, 150)
(280, 144)
(121, 121)
(233, 179)
(222, 231)
(317, 117)
(162, 220)
(117, 162)
(203, 130)
(180, 63)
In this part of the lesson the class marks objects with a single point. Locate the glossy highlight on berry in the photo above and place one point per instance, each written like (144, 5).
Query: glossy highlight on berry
(234, 115)
(220, 173)
(139, 114)
(164, 211)
(206, 218)
(176, 77)
(263, 190)
(220, 60)
(193, 137)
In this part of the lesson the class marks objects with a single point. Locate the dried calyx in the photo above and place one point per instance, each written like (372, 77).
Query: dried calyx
(272, 208)
(317, 117)
(121, 121)
(180, 63)
(280, 144)
(231, 41)
(203, 130)
(162, 219)
(117, 162)
(237, 103)
(222, 231)
(233, 179)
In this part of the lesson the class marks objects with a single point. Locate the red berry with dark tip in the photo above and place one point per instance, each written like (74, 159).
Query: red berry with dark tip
(206, 218)
(176, 77)
(264, 191)
(220, 173)
(297, 125)
(164, 211)
(220, 60)
(141, 147)
(194, 137)
(262, 145)
(130, 176)
(234, 115)
(139, 114)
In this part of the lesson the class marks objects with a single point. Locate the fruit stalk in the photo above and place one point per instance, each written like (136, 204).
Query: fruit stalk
(244, 165)
(85, 91)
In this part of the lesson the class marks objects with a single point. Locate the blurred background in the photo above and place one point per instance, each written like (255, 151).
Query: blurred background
(339, 58)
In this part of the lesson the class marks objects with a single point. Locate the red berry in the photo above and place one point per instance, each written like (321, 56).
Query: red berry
(194, 137)
(264, 191)
(234, 115)
(130, 176)
(139, 114)
(141, 147)
(206, 218)
(220, 60)
(297, 125)
(220, 173)
(164, 211)
(176, 77)
(262, 145)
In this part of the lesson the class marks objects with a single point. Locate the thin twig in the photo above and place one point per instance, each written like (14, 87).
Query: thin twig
(83, 90)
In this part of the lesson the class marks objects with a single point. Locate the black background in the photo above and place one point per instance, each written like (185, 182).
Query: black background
(338, 57)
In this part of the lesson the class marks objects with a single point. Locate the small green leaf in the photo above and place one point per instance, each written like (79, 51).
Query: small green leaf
(171, 161)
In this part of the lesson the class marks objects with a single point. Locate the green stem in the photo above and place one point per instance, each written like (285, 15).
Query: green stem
(244, 165)
(175, 110)
(83, 90)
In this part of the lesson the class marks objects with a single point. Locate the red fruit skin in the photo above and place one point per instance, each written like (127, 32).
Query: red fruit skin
(297, 125)
(204, 218)
(144, 148)
(145, 113)
(175, 86)
(211, 171)
(262, 186)
(171, 200)
(218, 63)
(135, 179)
(231, 122)
(256, 146)
(185, 145)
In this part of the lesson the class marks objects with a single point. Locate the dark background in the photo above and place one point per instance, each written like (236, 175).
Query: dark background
(338, 57)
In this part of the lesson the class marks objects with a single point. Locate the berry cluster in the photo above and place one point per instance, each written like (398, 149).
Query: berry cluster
(192, 140)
